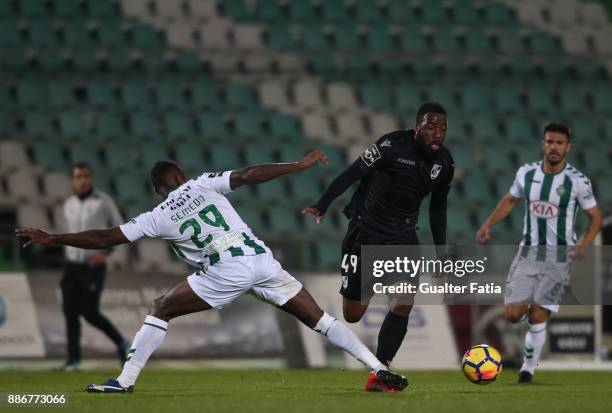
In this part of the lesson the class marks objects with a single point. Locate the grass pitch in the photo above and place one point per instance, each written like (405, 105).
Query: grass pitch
(311, 391)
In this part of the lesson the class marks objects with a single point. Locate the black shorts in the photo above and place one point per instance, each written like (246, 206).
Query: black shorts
(350, 261)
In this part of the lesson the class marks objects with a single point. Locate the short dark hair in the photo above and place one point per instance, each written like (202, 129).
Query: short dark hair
(559, 128)
(162, 169)
(80, 165)
(429, 107)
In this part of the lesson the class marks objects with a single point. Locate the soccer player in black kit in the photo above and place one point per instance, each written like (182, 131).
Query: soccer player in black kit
(395, 174)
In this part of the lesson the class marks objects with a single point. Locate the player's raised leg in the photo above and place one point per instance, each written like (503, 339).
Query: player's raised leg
(308, 311)
(180, 300)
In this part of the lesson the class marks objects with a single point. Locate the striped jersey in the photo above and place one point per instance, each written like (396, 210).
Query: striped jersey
(551, 203)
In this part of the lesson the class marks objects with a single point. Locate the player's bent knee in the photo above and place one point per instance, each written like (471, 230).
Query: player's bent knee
(157, 308)
(352, 316)
(513, 316)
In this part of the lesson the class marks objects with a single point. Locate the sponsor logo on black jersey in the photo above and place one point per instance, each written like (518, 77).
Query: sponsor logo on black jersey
(435, 170)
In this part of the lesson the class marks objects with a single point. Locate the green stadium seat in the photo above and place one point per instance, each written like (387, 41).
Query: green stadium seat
(257, 154)
(136, 95)
(368, 11)
(572, 98)
(50, 62)
(212, 126)
(279, 37)
(412, 40)
(519, 129)
(465, 15)
(109, 126)
(476, 192)
(170, 95)
(313, 38)
(327, 255)
(540, 100)
(49, 156)
(510, 42)
(476, 99)
(7, 10)
(542, 42)
(67, 9)
(507, 100)
(33, 8)
(248, 125)
(527, 153)
(585, 129)
(190, 157)
(477, 41)
(497, 15)
(335, 156)
(61, 95)
(6, 101)
(598, 160)
(42, 34)
(346, 38)
(407, 99)
(150, 154)
(31, 95)
(8, 127)
(224, 158)
(284, 127)
(400, 11)
(84, 152)
(302, 11)
(484, 128)
(119, 60)
(145, 37)
(236, 9)
(144, 126)
(305, 187)
(16, 61)
(188, 63)
(375, 96)
(602, 98)
(379, 39)
(9, 35)
(497, 158)
(205, 95)
(131, 188)
(327, 229)
(283, 221)
(269, 11)
(119, 157)
(433, 13)
(443, 94)
(39, 125)
(109, 35)
(272, 192)
(85, 61)
(253, 218)
(73, 125)
(324, 64)
(552, 69)
(102, 9)
(75, 34)
(464, 157)
(357, 67)
(607, 128)
(292, 152)
(459, 226)
(335, 11)
(179, 126)
(240, 96)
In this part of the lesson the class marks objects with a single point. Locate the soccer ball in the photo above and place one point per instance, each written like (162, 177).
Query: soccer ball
(481, 364)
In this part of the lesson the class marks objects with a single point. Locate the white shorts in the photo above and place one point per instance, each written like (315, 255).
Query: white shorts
(261, 275)
(543, 283)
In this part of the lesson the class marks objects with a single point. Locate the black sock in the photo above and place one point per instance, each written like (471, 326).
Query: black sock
(390, 337)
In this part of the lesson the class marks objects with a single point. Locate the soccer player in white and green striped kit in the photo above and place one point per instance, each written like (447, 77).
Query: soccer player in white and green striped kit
(554, 191)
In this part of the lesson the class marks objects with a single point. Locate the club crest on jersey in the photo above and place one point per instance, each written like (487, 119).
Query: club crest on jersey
(435, 170)
(560, 190)
(370, 155)
(543, 209)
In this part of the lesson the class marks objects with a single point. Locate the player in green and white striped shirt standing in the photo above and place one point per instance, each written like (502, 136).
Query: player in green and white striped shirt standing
(553, 191)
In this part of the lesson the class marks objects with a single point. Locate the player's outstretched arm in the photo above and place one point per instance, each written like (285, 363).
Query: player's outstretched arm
(501, 211)
(93, 240)
(256, 174)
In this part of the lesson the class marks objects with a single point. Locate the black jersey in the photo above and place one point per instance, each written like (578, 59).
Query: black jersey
(396, 174)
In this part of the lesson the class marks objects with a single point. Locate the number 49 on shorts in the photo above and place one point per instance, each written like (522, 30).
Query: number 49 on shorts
(349, 263)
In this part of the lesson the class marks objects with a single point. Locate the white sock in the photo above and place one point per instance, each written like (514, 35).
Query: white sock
(147, 340)
(534, 343)
(341, 336)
